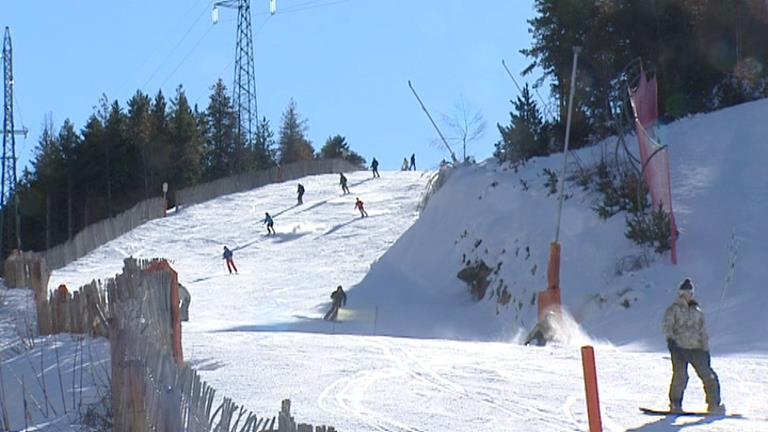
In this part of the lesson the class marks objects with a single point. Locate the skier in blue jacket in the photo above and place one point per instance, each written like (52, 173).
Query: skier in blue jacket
(270, 223)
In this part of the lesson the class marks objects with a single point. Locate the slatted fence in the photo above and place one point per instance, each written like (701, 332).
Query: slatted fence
(151, 390)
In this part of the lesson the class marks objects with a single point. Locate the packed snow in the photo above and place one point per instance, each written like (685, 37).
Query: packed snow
(412, 351)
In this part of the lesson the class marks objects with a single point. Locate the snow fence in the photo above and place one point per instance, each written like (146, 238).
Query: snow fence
(151, 387)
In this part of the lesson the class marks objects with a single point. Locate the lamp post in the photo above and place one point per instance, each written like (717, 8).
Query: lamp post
(165, 200)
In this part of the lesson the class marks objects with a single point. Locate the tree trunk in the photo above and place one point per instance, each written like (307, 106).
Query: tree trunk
(69, 206)
(145, 168)
(47, 221)
(109, 180)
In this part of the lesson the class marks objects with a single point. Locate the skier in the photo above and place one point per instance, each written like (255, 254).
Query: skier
(185, 299)
(413, 161)
(688, 342)
(375, 168)
(338, 300)
(230, 262)
(404, 167)
(300, 191)
(544, 331)
(359, 206)
(343, 183)
(270, 223)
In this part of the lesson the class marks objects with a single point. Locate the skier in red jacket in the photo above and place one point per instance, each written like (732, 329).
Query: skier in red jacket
(359, 206)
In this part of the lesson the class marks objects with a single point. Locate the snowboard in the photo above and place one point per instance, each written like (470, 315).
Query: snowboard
(651, 411)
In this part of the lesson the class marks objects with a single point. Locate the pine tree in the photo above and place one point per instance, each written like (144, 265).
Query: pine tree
(160, 165)
(49, 168)
(264, 146)
(69, 142)
(526, 136)
(221, 149)
(336, 147)
(294, 146)
(186, 142)
(140, 133)
(93, 171)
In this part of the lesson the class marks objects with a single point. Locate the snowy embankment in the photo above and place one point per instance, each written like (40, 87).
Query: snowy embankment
(259, 337)
(507, 218)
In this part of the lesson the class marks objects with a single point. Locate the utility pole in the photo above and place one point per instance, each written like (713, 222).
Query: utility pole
(244, 87)
(8, 188)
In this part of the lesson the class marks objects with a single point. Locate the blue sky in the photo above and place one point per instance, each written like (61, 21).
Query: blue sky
(346, 63)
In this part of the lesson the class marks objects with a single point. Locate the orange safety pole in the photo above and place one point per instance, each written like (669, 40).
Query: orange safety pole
(549, 299)
(590, 386)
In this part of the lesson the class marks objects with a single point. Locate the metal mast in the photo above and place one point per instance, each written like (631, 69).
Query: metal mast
(8, 188)
(244, 87)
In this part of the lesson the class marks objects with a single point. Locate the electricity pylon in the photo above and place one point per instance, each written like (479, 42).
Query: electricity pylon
(8, 188)
(244, 87)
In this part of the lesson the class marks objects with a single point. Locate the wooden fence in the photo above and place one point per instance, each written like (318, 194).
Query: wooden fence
(102, 232)
(151, 389)
(250, 180)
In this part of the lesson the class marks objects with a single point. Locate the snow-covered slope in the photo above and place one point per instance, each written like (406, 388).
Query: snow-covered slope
(259, 337)
(507, 218)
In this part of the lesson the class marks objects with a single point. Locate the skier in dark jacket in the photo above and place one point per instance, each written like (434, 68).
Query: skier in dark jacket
(343, 183)
(359, 206)
(545, 330)
(270, 224)
(413, 161)
(338, 300)
(375, 168)
(230, 262)
(688, 342)
(300, 191)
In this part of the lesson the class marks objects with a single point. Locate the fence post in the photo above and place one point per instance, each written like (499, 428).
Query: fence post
(590, 386)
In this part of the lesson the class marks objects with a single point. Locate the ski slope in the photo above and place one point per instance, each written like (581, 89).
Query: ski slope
(413, 352)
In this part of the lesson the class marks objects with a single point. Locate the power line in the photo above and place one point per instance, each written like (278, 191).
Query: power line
(186, 56)
(178, 44)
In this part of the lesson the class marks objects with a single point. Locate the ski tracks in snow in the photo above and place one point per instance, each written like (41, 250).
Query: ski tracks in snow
(344, 397)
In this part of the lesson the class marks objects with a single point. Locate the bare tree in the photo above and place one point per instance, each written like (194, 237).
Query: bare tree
(466, 124)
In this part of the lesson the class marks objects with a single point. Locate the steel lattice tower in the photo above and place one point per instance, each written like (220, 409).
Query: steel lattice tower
(8, 190)
(244, 87)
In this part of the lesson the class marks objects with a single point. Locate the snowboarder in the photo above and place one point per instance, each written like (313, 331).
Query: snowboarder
(688, 342)
(270, 223)
(359, 206)
(338, 300)
(230, 262)
(300, 191)
(375, 168)
(544, 331)
(343, 183)
(413, 161)
(404, 167)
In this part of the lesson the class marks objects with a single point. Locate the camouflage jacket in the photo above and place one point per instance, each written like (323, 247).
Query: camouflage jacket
(684, 324)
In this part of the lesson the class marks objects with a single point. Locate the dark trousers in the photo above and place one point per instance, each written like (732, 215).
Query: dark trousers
(332, 313)
(300, 198)
(376, 172)
(231, 265)
(700, 360)
(270, 228)
(344, 189)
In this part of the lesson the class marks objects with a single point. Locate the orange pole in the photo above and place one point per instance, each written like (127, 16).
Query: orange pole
(549, 299)
(590, 386)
